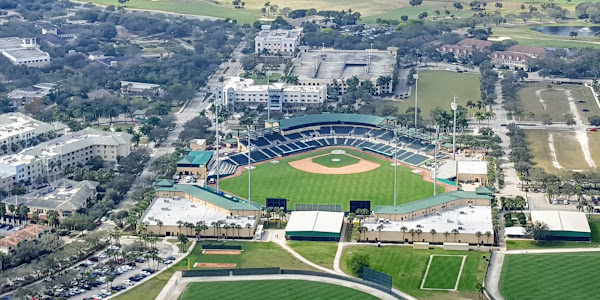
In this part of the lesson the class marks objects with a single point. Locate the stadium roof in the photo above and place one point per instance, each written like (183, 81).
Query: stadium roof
(196, 158)
(308, 223)
(428, 202)
(564, 223)
(305, 120)
(207, 196)
(472, 167)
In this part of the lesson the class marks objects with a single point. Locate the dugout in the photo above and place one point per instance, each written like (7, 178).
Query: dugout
(315, 226)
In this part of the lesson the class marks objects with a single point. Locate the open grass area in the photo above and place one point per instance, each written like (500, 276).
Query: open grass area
(565, 145)
(283, 181)
(550, 276)
(320, 253)
(328, 160)
(594, 143)
(437, 89)
(271, 289)
(443, 272)
(407, 267)
(254, 255)
(551, 99)
(180, 245)
(524, 35)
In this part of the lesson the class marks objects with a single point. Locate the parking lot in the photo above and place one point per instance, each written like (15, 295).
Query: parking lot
(6, 229)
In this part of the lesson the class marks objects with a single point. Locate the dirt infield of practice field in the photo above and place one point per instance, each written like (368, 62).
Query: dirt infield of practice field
(222, 252)
(214, 265)
(307, 165)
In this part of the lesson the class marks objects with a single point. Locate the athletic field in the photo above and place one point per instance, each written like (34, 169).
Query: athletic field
(443, 272)
(550, 276)
(281, 180)
(271, 289)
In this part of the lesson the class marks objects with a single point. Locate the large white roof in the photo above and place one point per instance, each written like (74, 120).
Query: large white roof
(562, 220)
(472, 167)
(317, 221)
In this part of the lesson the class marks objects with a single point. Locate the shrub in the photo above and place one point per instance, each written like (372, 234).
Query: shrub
(357, 263)
(507, 216)
(522, 221)
(508, 223)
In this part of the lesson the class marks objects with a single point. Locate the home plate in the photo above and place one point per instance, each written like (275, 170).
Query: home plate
(275, 162)
(335, 159)
(338, 152)
(251, 168)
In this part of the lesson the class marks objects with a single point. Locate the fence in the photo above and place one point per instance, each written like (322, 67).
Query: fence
(377, 278)
(319, 207)
(230, 272)
(221, 247)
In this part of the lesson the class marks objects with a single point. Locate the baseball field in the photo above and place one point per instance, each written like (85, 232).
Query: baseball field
(313, 179)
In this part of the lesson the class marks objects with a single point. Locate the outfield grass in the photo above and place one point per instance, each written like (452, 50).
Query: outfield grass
(270, 289)
(407, 267)
(255, 255)
(550, 276)
(443, 272)
(282, 180)
(320, 253)
(438, 89)
(327, 160)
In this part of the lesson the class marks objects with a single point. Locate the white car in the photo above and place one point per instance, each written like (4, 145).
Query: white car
(97, 297)
(145, 273)
(103, 219)
(102, 255)
(128, 282)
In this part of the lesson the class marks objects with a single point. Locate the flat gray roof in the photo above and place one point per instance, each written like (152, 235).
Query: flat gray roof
(27, 54)
(339, 64)
(10, 43)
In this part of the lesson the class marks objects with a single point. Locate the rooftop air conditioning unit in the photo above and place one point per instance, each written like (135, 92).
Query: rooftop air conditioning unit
(250, 217)
(460, 228)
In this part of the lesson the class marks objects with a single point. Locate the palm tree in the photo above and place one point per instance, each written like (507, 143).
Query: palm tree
(238, 227)
(379, 228)
(412, 235)
(11, 209)
(179, 224)
(446, 233)
(590, 209)
(351, 217)
(115, 234)
(226, 226)
(478, 234)
(418, 232)
(455, 232)
(361, 229)
(403, 229)
(160, 225)
(488, 234)
(432, 231)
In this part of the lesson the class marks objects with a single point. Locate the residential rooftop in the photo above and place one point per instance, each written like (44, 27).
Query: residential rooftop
(466, 219)
(18, 124)
(63, 194)
(29, 232)
(78, 140)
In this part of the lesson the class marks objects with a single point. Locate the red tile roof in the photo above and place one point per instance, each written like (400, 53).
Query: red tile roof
(31, 231)
(535, 51)
(479, 44)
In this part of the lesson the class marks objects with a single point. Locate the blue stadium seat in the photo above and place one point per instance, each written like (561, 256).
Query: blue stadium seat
(293, 136)
(342, 129)
(239, 159)
(360, 131)
(268, 152)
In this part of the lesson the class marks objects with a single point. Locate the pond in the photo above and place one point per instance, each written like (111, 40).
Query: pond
(566, 30)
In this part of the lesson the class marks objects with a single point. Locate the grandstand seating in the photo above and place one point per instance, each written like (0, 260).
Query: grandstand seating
(260, 142)
(325, 130)
(269, 152)
(258, 156)
(415, 159)
(330, 141)
(285, 148)
(294, 136)
(342, 130)
(275, 137)
(376, 132)
(239, 159)
(388, 136)
(293, 146)
(308, 133)
(360, 131)
(276, 150)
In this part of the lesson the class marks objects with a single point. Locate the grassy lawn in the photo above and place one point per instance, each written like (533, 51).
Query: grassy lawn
(327, 160)
(594, 142)
(407, 267)
(443, 272)
(437, 89)
(179, 244)
(320, 253)
(282, 180)
(537, 141)
(550, 276)
(565, 146)
(524, 35)
(271, 289)
(254, 255)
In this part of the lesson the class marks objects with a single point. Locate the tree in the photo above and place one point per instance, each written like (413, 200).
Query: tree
(458, 6)
(404, 18)
(361, 229)
(183, 239)
(479, 287)
(415, 2)
(538, 230)
(498, 5)
(379, 228)
(488, 234)
(432, 231)
(358, 262)
(569, 119)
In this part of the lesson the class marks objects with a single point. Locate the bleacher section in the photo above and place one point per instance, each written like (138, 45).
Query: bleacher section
(388, 136)
(275, 137)
(415, 159)
(325, 130)
(342, 130)
(260, 142)
(239, 159)
(269, 152)
(258, 156)
(360, 131)
(294, 136)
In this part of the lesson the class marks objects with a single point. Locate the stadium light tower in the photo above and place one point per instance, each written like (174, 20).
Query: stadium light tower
(454, 107)
(416, 77)
(395, 167)
(217, 102)
(435, 161)
(249, 169)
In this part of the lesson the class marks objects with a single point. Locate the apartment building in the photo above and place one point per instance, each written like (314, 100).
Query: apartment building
(243, 92)
(20, 130)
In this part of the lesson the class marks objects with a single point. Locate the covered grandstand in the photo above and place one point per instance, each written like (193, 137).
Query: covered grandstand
(373, 134)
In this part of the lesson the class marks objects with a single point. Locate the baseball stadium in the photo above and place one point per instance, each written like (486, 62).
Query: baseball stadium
(331, 159)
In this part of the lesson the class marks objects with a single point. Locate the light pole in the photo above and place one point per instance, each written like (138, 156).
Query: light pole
(249, 169)
(268, 97)
(435, 163)
(416, 77)
(395, 167)
(454, 107)
(217, 138)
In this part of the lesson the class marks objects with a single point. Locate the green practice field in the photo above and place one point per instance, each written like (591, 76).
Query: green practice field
(283, 181)
(328, 160)
(320, 253)
(443, 272)
(550, 276)
(437, 89)
(271, 289)
(253, 256)
(407, 267)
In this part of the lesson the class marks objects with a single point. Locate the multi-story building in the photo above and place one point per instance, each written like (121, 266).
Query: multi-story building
(21, 130)
(243, 92)
(516, 57)
(465, 47)
(24, 52)
(283, 41)
(20, 168)
(329, 67)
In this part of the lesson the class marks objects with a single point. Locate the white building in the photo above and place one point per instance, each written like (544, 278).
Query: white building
(19, 129)
(23, 52)
(19, 168)
(564, 225)
(282, 41)
(240, 91)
